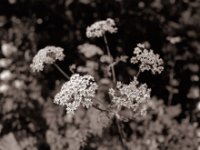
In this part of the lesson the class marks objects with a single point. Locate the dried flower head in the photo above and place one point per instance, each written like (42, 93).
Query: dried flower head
(47, 55)
(147, 59)
(89, 50)
(78, 90)
(99, 28)
(134, 95)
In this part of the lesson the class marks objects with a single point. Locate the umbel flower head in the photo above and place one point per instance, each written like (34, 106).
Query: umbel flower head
(134, 96)
(99, 28)
(89, 50)
(47, 55)
(147, 59)
(78, 90)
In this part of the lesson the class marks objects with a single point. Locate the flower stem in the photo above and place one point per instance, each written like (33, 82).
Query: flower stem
(98, 108)
(121, 135)
(138, 73)
(109, 54)
(61, 71)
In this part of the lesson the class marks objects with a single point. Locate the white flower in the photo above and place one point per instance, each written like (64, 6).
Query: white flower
(147, 59)
(99, 28)
(8, 49)
(78, 90)
(47, 55)
(89, 50)
(134, 95)
(6, 75)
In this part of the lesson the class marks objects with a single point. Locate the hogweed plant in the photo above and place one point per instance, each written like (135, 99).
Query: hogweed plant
(84, 90)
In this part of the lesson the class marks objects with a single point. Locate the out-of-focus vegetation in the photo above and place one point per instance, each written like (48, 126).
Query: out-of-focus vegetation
(27, 111)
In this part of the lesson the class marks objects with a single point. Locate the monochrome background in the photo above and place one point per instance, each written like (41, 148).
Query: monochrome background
(29, 120)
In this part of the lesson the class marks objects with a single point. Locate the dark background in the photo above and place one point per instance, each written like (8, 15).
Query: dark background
(34, 24)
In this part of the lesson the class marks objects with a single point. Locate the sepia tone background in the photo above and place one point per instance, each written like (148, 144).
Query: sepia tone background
(30, 120)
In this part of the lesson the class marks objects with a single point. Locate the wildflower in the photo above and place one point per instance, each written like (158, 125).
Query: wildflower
(8, 49)
(147, 59)
(78, 90)
(6, 75)
(133, 96)
(47, 55)
(99, 28)
(89, 50)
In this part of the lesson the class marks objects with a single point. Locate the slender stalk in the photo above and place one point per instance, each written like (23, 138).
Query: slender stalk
(98, 108)
(138, 73)
(170, 97)
(171, 94)
(100, 103)
(109, 54)
(121, 135)
(61, 71)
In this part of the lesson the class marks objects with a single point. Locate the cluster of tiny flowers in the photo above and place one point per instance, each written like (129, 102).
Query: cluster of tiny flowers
(134, 96)
(99, 28)
(147, 59)
(47, 55)
(89, 50)
(78, 90)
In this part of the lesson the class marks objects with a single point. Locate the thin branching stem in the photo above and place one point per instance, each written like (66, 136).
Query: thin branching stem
(109, 54)
(171, 94)
(100, 103)
(138, 73)
(98, 108)
(61, 71)
(121, 135)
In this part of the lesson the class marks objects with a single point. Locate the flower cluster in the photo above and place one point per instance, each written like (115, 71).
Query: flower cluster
(99, 28)
(47, 55)
(78, 90)
(89, 50)
(133, 95)
(147, 59)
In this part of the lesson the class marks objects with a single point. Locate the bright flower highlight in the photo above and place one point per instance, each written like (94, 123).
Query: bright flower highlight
(78, 90)
(133, 96)
(47, 55)
(99, 28)
(147, 59)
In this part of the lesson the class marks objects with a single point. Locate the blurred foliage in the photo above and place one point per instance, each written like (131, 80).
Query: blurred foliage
(171, 28)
